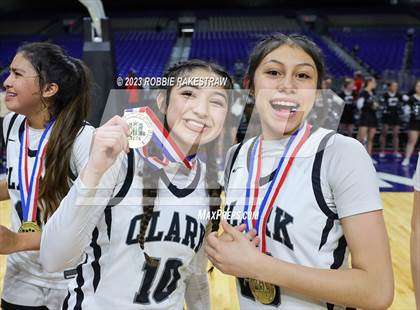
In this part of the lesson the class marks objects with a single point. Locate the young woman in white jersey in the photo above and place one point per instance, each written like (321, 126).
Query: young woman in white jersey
(319, 203)
(48, 92)
(144, 251)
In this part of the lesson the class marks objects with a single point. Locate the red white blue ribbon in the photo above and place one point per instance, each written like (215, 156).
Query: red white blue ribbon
(293, 146)
(161, 138)
(29, 187)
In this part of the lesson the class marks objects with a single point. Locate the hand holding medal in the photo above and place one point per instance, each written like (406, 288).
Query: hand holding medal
(108, 142)
(145, 127)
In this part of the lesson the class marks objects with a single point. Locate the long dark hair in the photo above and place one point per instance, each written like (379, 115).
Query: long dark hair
(151, 178)
(69, 106)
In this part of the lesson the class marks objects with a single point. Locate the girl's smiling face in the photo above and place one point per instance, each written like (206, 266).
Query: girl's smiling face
(285, 85)
(196, 115)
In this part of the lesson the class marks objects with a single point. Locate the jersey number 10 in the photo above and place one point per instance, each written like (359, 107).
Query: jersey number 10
(166, 285)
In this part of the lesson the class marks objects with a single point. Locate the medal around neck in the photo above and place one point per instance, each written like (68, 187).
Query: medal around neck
(29, 180)
(263, 292)
(29, 227)
(140, 127)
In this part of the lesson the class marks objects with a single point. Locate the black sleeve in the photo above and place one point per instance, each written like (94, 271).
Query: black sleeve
(230, 161)
(9, 128)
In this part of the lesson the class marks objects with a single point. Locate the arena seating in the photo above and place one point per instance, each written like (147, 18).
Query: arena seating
(416, 53)
(335, 65)
(381, 49)
(145, 52)
(227, 48)
(252, 23)
(9, 45)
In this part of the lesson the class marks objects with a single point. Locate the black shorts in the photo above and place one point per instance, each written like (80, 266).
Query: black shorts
(347, 117)
(368, 119)
(391, 119)
(414, 124)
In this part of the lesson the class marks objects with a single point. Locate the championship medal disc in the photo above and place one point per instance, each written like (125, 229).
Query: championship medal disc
(29, 227)
(262, 291)
(141, 129)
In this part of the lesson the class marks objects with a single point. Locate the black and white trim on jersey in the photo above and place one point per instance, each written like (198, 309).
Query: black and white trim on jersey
(304, 225)
(181, 192)
(27, 263)
(340, 251)
(95, 248)
(115, 263)
(316, 185)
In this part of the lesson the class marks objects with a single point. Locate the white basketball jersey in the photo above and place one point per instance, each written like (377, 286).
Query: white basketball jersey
(114, 274)
(26, 265)
(304, 224)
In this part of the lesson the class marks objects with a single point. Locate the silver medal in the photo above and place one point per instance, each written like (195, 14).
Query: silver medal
(140, 127)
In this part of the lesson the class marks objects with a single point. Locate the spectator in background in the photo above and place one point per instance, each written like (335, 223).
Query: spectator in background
(133, 90)
(358, 81)
(414, 124)
(368, 105)
(239, 69)
(330, 107)
(415, 237)
(327, 83)
(391, 103)
(349, 95)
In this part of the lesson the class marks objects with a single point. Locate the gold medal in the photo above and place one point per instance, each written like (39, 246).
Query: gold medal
(263, 292)
(29, 227)
(140, 127)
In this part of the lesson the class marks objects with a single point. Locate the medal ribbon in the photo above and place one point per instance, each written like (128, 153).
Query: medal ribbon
(29, 188)
(293, 146)
(161, 138)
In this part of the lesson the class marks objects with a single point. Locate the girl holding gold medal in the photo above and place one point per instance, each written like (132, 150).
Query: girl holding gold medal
(144, 250)
(48, 92)
(312, 194)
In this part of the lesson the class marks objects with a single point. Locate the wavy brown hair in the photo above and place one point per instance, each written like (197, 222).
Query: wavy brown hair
(69, 106)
